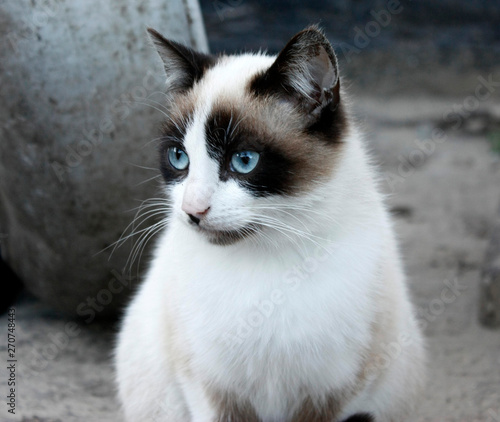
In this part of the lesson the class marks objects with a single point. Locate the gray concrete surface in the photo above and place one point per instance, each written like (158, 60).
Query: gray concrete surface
(444, 206)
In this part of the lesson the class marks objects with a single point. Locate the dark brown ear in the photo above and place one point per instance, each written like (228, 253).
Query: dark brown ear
(305, 73)
(183, 65)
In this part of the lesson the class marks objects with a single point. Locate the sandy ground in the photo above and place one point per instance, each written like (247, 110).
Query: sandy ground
(444, 206)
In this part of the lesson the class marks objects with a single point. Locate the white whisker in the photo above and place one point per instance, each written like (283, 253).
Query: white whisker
(148, 180)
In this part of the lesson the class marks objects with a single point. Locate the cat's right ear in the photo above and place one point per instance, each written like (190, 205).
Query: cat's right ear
(183, 65)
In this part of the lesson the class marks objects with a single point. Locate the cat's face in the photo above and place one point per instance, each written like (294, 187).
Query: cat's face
(249, 139)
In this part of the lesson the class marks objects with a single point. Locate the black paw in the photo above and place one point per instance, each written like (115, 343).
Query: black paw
(361, 417)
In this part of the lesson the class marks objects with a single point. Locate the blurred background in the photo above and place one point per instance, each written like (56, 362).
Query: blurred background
(424, 84)
(386, 47)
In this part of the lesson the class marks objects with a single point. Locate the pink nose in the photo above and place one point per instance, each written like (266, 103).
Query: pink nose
(196, 217)
(196, 200)
(195, 211)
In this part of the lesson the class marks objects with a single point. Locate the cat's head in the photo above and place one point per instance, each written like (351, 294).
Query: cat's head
(249, 139)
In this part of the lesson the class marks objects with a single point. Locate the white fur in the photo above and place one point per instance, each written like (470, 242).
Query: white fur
(243, 318)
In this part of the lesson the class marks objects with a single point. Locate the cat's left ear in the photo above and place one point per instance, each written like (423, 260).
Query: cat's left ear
(305, 73)
(183, 65)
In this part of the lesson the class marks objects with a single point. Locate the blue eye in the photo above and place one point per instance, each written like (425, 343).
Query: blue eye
(245, 161)
(178, 158)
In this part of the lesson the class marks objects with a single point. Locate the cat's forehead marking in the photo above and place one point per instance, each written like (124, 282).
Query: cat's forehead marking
(225, 81)
(229, 77)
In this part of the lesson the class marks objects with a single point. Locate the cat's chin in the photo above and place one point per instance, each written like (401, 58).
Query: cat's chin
(225, 237)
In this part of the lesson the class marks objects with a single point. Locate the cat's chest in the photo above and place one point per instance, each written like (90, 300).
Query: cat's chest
(273, 327)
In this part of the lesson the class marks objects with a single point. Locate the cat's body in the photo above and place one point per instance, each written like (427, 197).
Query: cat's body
(304, 321)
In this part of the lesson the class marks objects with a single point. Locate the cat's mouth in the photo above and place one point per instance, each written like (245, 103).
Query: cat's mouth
(225, 237)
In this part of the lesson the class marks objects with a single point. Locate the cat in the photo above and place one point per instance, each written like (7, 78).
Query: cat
(276, 293)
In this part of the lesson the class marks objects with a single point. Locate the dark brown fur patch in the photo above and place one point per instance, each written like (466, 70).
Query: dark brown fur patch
(229, 409)
(325, 411)
(293, 156)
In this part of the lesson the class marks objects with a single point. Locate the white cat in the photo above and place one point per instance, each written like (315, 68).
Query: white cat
(276, 294)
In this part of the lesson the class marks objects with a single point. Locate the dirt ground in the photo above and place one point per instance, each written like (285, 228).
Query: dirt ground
(444, 200)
